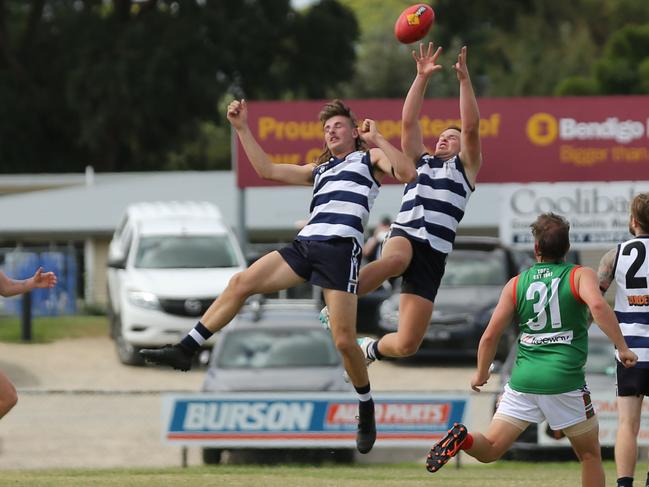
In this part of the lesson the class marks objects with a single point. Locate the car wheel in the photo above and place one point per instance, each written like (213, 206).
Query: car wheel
(211, 456)
(127, 353)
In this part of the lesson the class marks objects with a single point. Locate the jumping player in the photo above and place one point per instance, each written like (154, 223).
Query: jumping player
(628, 266)
(327, 250)
(432, 206)
(551, 300)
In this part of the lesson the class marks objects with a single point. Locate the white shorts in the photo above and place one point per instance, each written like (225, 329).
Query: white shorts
(560, 410)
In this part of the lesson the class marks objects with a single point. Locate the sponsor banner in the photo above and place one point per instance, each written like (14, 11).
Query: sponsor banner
(536, 339)
(305, 419)
(598, 212)
(523, 139)
(605, 405)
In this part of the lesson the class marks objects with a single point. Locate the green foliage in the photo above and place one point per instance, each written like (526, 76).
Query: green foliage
(131, 86)
(577, 86)
(623, 68)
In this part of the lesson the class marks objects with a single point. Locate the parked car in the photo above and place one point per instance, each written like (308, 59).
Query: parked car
(600, 378)
(476, 272)
(167, 262)
(278, 345)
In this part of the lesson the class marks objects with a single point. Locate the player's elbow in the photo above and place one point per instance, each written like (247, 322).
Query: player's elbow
(598, 307)
(406, 175)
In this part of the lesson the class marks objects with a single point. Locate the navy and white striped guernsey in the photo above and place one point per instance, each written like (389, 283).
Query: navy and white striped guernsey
(433, 205)
(632, 296)
(344, 191)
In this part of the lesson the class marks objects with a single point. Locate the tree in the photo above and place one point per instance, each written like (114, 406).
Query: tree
(126, 85)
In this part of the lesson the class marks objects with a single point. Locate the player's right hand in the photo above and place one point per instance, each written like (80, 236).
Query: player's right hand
(479, 379)
(237, 113)
(427, 61)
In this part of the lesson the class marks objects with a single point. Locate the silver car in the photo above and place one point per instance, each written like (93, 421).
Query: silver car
(276, 346)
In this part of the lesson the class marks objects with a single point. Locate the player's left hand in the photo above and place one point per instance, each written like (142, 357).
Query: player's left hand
(367, 130)
(44, 279)
(460, 67)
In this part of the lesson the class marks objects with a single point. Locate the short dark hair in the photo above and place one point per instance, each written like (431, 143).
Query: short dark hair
(552, 236)
(452, 127)
(640, 210)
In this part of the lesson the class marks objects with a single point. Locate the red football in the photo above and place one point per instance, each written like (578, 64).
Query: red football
(414, 23)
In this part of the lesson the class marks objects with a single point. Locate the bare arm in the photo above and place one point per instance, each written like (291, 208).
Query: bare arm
(40, 279)
(471, 151)
(500, 320)
(386, 157)
(412, 142)
(286, 173)
(605, 272)
(603, 315)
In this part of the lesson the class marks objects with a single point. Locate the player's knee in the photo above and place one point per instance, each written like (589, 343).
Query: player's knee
(407, 347)
(241, 285)
(345, 343)
(8, 400)
(395, 264)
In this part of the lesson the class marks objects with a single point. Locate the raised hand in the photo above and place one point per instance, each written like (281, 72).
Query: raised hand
(460, 68)
(238, 114)
(44, 279)
(427, 60)
(367, 130)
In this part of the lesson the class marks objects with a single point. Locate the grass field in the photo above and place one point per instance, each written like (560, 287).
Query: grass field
(49, 329)
(501, 474)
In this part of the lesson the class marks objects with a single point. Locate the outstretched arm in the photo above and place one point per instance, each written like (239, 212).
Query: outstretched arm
(603, 315)
(286, 173)
(471, 151)
(387, 158)
(500, 320)
(412, 142)
(40, 279)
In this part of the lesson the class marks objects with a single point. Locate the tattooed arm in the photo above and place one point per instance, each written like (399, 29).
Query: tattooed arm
(606, 272)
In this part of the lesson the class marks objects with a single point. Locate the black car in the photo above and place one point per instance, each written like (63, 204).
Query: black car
(476, 271)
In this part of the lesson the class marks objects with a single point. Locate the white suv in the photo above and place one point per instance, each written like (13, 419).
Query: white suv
(167, 262)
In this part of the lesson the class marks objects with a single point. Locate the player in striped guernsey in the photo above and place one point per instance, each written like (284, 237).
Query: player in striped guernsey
(550, 302)
(432, 206)
(628, 266)
(327, 250)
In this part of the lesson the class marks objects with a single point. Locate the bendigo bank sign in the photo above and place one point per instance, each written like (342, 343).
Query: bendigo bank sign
(523, 139)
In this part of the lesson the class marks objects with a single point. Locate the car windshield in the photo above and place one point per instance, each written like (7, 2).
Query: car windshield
(257, 349)
(185, 252)
(475, 268)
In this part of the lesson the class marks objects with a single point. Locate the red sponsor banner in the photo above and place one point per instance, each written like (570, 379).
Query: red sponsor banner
(523, 139)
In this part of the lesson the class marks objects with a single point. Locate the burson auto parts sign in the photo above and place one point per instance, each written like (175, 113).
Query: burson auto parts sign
(523, 139)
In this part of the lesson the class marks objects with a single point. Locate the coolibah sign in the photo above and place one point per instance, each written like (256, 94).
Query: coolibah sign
(316, 420)
(523, 139)
(598, 212)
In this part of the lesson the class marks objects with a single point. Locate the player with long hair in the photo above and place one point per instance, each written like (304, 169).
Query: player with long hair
(326, 252)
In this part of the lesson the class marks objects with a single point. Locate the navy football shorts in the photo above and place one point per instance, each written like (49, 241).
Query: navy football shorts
(330, 264)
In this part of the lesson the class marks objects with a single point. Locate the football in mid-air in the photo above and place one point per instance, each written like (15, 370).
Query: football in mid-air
(414, 23)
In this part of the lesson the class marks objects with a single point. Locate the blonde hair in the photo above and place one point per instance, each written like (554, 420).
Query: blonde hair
(331, 109)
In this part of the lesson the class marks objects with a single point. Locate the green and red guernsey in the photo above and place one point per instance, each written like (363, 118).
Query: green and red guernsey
(553, 341)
